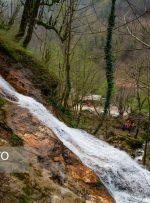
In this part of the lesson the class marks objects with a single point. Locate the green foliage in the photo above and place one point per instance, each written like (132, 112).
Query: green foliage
(147, 136)
(2, 101)
(24, 198)
(53, 55)
(133, 103)
(15, 140)
(134, 143)
(2, 25)
(103, 89)
(65, 112)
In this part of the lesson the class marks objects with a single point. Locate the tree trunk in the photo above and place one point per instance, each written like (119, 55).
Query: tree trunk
(109, 65)
(68, 85)
(67, 55)
(13, 17)
(24, 19)
(34, 14)
(148, 132)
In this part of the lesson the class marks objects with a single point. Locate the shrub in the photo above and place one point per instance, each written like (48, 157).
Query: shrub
(134, 143)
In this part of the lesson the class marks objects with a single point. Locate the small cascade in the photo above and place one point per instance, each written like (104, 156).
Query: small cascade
(127, 181)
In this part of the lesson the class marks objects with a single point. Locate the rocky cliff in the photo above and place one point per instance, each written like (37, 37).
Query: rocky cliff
(57, 175)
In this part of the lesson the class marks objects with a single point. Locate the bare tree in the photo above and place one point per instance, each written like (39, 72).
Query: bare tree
(24, 19)
(15, 8)
(33, 15)
(30, 17)
(3, 8)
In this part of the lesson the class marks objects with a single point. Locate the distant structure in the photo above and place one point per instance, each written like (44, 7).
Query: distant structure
(128, 85)
(91, 98)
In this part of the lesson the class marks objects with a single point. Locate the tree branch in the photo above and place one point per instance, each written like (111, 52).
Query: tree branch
(50, 27)
(134, 36)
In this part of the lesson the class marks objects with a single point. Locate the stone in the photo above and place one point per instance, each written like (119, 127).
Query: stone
(64, 167)
(80, 172)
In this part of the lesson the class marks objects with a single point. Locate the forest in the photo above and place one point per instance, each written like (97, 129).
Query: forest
(75, 86)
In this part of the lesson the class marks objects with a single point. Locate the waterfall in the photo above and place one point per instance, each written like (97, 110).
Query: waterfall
(127, 181)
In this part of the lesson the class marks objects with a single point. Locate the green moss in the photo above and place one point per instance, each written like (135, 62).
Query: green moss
(2, 101)
(20, 176)
(24, 198)
(27, 190)
(15, 140)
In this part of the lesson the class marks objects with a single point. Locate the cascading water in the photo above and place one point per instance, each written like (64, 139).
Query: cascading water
(125, 179)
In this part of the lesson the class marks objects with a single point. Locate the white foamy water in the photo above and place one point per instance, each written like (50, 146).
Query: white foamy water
(127, 181)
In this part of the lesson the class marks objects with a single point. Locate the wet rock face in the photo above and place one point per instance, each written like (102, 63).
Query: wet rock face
(17, 80)
(63, 167)
(82, 173)
(16, 77)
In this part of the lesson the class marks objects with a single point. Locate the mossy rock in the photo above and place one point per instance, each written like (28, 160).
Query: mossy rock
(16, 140)
(134, 143)
(2, 102)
